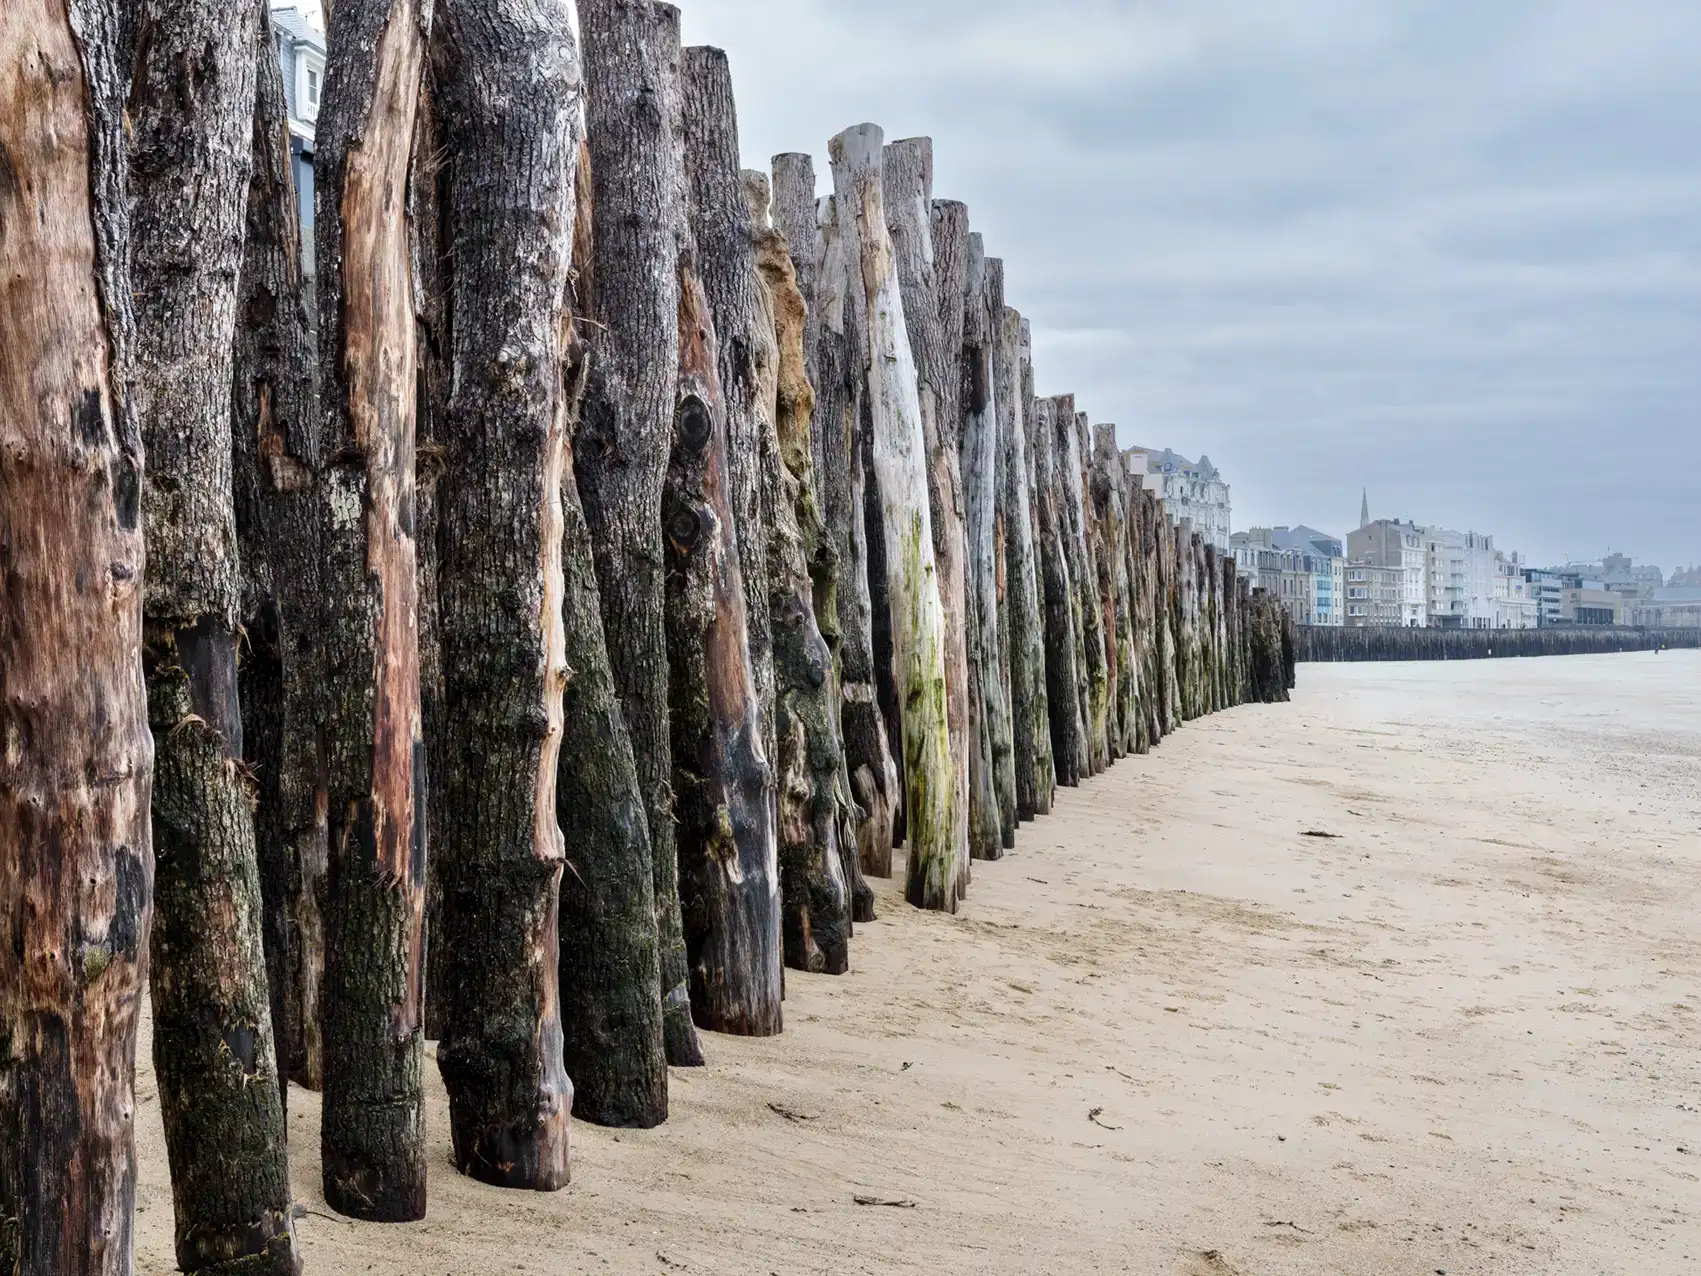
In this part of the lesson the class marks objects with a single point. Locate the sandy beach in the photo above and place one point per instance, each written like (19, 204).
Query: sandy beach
(1404, 977)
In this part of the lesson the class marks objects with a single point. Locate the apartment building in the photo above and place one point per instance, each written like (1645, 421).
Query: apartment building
(1391, 544)
(1461, 579)
(1192, 490)
(1375, 595)
(1302, 566)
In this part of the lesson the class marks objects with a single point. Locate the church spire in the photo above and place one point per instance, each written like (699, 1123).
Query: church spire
(1364, 510)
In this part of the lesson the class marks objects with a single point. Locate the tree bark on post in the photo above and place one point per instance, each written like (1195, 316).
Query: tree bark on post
(1110, 488)
(507, 75)
(1083, 570)
(372, 1134)
(728, 855)
(929, 300)
(992, 780)
(901, 472)
(631, 299)
(840, 407)
(821, 279)
(1040, 710)
(815, 903)
(725, 260)
(1029, 716)
(191, 151)
(275, 461)
(76, 860)
(1062, 659)
(985, 494)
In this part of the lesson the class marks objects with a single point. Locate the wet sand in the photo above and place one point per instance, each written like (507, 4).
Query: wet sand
(1175, 1032)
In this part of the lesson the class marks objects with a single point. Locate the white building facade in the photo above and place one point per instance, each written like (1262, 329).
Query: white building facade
(1189, 489)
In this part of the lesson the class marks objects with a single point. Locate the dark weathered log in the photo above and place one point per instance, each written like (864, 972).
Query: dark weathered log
(992, 781)
(726, 263)
(275, 460)
(191, 110)
(818, 259)
(1029, 714)
(1071, 427)
(509, 100)
(612, 1019)
(728, 856)
(76, 860)
(1109, 489)
(372, 1134)
(1038, 713)
(630, 297)
(1062, 663)
(900, 465)
(816, 907)
(932, 278)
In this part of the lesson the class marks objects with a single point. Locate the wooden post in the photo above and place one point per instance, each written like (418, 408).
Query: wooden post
(992, 782)
(839, 564)
(815, 908)
(728, 858)
(1029, 716)
(931, 280)
(901, 473)
(726, 263)
(630, 298)
(615, 1046)
(1110, 487)
(841, 405)
(1062, 663)
(1072, 451)
(191, 109)
(372, 1134)
(510, 122)
(1040, 709)
(76, 859)
(275, 457)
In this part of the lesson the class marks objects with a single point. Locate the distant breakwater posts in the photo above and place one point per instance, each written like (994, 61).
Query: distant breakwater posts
(540, 650)
(1318, 644)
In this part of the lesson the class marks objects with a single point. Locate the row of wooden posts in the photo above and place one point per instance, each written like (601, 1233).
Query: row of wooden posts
(702, 540)
(1338, 645)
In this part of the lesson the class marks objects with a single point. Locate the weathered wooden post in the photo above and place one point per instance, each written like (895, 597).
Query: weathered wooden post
(275, 457)
(629, 297)
(1029, 718)
(931, 278)
(840, 567)
(76, 858)
(815, 905)
(509, 123)
(1062, 661)
(728, 856)
(1039, 707)
(729, 867)
(992, 780)
(191, 113)
(901, 474)
(372, 1135)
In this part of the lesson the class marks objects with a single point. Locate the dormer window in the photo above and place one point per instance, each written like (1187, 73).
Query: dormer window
(312, 90)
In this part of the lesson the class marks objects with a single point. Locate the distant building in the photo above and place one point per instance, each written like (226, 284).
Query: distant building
(1674, 607)
(1589, 603)
(1302, 566)
(1189, 489)
(300, 33)
(1545, 588)
(1376, 595)
(1685, 578)
(1515, 605)
(1389, 543)
(1460, 579)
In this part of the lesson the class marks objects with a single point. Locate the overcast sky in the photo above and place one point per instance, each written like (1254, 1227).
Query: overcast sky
(1449, 251)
